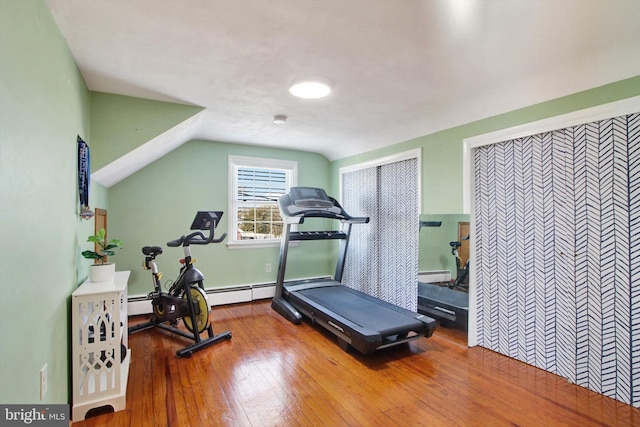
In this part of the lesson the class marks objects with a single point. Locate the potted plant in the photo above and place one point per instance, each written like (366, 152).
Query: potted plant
(101, 270)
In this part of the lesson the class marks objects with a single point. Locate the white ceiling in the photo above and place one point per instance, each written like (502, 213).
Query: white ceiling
(401, 68)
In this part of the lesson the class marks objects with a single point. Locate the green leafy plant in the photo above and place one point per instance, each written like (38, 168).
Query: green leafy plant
(105, 247)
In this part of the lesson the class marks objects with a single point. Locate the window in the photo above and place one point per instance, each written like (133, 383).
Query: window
(256, 184)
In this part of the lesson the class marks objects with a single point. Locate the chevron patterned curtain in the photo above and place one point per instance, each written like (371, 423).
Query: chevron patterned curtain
(383, 256)
(558, 253)
(360, 198)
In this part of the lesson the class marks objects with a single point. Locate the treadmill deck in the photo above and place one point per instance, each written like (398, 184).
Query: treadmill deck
(359, 320)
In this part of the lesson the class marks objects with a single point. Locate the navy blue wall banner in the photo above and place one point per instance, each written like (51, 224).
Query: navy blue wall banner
(84, 170)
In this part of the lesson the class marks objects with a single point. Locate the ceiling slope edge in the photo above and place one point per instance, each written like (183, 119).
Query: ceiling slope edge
(148, 153)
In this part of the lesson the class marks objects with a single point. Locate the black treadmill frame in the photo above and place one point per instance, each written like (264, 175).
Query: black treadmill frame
(291, 301)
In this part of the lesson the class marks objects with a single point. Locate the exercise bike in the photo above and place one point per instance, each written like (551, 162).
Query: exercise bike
(185, 299)
(462, 272)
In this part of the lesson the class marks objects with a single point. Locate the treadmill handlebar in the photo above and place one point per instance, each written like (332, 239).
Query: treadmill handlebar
(299, 217)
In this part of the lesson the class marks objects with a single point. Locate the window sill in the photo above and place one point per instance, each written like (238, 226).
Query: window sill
(253, 244)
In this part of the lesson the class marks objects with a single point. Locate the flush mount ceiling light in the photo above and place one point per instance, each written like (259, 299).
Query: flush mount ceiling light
(310, 88)
(279, 119)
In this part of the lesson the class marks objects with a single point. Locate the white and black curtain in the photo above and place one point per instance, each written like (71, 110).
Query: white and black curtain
(557, 229)
(382, 260)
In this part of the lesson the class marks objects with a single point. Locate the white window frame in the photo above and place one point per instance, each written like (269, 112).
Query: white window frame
(235, 162)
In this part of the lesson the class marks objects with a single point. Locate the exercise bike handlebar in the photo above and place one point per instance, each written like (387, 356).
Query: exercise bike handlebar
(196, 238)
(204, 220)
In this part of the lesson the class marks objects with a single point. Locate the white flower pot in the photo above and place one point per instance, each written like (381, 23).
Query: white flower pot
(99, 273)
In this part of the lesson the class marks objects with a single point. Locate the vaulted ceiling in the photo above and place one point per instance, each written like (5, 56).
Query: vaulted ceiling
(399, 69)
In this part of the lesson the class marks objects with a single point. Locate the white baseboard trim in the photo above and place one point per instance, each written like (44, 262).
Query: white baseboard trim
(435, 276)
(139, 304)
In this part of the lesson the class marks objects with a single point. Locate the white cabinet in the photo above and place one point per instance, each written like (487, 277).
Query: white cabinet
(99, 341)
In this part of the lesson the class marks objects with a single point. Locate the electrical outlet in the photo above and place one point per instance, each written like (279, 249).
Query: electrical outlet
(43, 381)
(267, 267)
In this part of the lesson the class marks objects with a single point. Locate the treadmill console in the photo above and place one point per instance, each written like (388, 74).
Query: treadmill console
(300, 200)
(309, 197)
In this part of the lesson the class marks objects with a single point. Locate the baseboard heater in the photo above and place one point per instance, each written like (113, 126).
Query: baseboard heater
(139, 304)
(434, 276)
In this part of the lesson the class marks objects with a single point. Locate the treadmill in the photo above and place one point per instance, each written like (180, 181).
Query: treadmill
(358, 320)
(449, 306)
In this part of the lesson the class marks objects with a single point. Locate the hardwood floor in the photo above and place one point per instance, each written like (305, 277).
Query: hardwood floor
(274, 373)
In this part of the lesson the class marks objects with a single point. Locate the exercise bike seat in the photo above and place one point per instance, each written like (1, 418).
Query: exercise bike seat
(152, 250)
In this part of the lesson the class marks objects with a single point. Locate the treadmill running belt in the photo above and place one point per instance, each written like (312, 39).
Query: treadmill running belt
(359, 309)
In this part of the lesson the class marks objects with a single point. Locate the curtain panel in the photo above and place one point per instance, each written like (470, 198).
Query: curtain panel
(383, 255)
(557, 220)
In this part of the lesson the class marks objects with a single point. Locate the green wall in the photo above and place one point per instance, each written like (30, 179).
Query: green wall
(433, 246)
(158, 203)
(43, 106)
(120, 124)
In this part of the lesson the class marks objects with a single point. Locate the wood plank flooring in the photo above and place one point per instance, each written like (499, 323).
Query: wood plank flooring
(274, 373)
